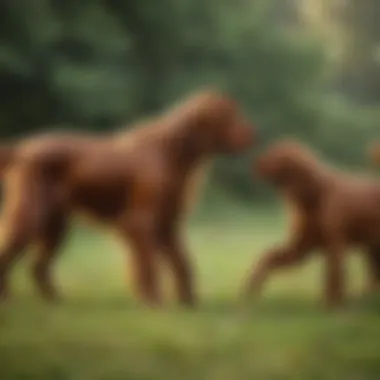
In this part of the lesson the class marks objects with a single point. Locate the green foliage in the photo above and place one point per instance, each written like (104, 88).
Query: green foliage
(98, 64)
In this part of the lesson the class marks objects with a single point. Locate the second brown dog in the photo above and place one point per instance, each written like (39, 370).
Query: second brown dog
(330, 211)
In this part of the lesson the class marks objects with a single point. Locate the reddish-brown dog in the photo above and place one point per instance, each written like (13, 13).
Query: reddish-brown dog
(135, 182)
(330, 211)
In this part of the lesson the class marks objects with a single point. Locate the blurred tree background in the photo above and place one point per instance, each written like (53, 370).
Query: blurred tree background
(307, 68)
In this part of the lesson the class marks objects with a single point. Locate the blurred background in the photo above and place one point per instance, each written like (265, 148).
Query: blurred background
(307, 68)
(303, 68)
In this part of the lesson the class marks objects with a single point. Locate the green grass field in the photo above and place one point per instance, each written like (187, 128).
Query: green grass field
(101, 332)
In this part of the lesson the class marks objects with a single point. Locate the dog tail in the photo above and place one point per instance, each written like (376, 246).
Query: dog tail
(7, 153)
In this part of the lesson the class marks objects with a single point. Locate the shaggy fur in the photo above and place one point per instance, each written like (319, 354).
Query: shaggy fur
(330, 211)
(137, 183)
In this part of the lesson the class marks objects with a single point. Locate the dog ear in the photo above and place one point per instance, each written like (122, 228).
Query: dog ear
(212, 123)
(201, 121)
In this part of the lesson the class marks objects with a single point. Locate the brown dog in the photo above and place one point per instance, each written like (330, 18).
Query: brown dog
(136, 182)
(329, 210)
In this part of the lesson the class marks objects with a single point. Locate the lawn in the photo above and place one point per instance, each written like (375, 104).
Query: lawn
(101, 332)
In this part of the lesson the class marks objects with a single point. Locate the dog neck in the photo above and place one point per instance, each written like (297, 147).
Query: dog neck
(307, 192)
(184, 148)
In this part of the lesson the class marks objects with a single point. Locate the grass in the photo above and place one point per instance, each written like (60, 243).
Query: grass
(101, 332)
